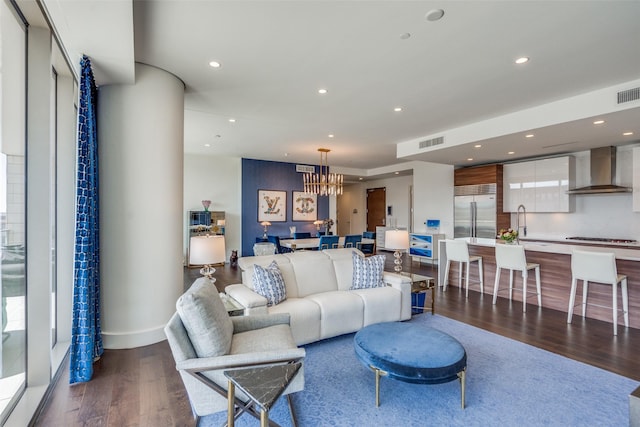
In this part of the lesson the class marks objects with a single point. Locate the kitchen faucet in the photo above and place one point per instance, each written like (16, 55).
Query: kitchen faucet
(524, 215)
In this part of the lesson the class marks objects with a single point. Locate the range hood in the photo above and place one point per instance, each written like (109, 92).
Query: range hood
(603, 172)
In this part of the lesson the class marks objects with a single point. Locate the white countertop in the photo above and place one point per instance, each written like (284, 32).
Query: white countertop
(566, 248)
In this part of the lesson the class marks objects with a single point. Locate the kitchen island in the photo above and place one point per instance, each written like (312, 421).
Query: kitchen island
(554, 258)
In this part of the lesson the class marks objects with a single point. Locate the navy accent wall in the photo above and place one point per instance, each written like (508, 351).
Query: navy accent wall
(266, 175)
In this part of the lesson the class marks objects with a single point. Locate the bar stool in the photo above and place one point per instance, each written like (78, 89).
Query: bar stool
(512, 257)
(598, 267)
(458, 250)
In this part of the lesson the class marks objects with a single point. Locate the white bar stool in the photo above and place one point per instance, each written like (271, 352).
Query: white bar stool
(597, 267)
(512, 257)
(458, 250)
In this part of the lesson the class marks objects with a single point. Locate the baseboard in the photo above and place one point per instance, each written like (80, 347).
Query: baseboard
(133, 339)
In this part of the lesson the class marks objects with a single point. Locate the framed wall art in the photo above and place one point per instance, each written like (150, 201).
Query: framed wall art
(305, 206)
(272, 206)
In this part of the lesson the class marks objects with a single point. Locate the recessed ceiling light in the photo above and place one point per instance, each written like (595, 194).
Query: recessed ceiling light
(232, 120)
(322, 91)
(598, 122)
(286, 154)
(522, 60)
(331, 135)
(397, 109)
(511, 152)
(215, 64)
(405, 36)
(627, 133)
(360, 179)
(529, 135)
(477, 145)
(207, 145)
(397, 173)
(434, 15)
(470, 159)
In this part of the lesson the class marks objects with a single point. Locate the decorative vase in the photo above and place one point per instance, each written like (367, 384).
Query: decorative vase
(206, 204)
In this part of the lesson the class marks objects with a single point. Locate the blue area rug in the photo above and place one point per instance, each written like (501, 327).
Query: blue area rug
(508, 383)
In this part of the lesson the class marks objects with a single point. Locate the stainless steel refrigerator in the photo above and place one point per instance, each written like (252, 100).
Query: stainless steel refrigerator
(475, 211)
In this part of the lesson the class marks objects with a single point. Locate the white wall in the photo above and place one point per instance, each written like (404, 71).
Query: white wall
(433, 196)
(348, 221)
(595, 215)
(218, 179)
(397, 196)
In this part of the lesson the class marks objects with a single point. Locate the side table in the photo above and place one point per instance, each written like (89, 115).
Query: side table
(234, 308)
(422, 285)
(263, 385)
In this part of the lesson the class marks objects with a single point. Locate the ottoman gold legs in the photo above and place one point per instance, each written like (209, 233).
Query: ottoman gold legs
(380, 373)
(462, 375)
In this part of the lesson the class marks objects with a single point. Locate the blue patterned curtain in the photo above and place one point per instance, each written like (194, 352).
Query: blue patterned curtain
(86, 339)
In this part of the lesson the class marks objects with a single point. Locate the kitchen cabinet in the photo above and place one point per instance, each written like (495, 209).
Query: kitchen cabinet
(539, 185)
(636, 179)
(424, 246)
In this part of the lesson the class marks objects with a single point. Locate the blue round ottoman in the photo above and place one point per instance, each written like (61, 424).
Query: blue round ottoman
(412, 353)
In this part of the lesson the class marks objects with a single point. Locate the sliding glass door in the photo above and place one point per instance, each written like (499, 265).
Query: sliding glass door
(12, 208)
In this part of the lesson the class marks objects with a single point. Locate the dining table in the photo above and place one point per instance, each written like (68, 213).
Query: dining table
(314, 242)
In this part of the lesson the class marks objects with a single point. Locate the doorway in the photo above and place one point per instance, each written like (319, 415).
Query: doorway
(376, 208)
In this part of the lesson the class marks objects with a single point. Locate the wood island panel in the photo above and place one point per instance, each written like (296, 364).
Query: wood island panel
(555, 278)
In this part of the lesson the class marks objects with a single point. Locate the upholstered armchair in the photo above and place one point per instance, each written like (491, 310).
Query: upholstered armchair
(206, 341)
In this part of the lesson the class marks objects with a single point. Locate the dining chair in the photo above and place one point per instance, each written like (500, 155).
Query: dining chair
(279, 248)
(353, 241)
(302, 235)
(328, 242)
(368, 248)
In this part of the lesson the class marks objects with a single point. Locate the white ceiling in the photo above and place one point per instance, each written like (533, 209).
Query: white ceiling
(454, 73)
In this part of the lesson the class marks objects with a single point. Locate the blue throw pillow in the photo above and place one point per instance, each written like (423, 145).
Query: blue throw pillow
(269, 283)
(367, 272)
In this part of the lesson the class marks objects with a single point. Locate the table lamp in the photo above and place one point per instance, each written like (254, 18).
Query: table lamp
(318, 223)
(266, 225)
(397, 240)
(207, 250)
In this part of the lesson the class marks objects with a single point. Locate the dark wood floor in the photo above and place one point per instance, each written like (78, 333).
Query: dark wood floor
(140, 387)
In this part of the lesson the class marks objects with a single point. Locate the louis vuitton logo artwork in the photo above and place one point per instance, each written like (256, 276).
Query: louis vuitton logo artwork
(272, 204)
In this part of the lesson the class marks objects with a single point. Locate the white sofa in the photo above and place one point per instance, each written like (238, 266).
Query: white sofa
(319, 300)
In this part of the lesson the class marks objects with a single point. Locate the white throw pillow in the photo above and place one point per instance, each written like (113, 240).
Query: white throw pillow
(367, 272)
(269, 283)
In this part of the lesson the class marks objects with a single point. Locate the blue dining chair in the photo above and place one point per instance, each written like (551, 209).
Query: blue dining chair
(279, 248)
(328, 242)
(353, 241)
(302, 235)
(368, 248)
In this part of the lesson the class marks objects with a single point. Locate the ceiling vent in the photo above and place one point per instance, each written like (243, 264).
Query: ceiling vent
(305, 169)
(629, 95)
(431, 142)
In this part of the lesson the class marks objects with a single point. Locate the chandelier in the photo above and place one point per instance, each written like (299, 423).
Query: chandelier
(323, 183)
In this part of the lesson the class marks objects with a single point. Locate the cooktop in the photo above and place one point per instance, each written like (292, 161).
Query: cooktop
(602, 239)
